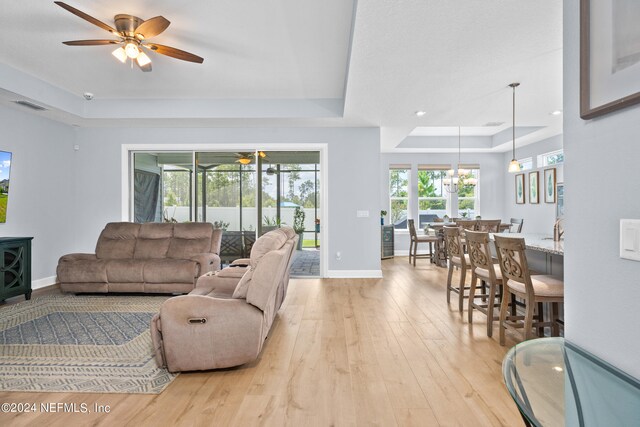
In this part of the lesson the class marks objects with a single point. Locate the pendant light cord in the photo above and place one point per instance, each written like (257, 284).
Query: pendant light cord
(513, 127)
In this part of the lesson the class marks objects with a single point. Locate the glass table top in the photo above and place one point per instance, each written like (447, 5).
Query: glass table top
(555, 383)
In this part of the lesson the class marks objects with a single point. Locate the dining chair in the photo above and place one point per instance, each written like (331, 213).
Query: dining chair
(466, 224)
(516, 225)
(483, 268)
(457, 259)
(415, 239)
(489, 225)
(532, 289)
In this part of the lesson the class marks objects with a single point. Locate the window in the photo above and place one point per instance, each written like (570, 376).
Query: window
(551, 158)
(469, 195)
(399, 196)
(526, 164)
(432, 197)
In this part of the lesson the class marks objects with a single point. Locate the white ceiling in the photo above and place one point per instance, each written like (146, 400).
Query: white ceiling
(298, 63)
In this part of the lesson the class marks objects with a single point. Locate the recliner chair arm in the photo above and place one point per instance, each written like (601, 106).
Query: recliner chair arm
(208, 262)
(196, 332)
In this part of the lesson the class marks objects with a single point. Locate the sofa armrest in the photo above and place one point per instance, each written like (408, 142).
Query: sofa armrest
(216, 284)
(77, 257)
(242, 262)
(198, 333)
(208, 262)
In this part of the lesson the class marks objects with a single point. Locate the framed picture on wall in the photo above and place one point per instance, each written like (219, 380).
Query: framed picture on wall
(534, 197)
(550, 185)
(609, 56)
(520, 188)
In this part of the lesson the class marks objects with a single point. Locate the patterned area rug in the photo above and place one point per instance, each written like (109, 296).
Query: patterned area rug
(93, 344)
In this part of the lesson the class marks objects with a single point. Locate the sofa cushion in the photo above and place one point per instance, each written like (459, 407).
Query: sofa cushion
(79, 271)
(270, 241)
(117, 240)
(243, 285)
(153, 241)
(170, 271)
(190, 239)
(125, 271)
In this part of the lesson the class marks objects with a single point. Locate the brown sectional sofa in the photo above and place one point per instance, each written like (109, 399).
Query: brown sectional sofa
(149, 258)
(225, 320)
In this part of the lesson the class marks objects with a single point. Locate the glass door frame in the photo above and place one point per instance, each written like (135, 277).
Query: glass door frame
(127, 172)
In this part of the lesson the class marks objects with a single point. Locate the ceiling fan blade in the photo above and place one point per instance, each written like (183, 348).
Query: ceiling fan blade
(151, 27)
(146, 68)
(90, 42)
(173, 52)
(86, 17)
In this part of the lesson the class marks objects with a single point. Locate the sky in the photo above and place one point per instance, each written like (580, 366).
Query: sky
(5, 165)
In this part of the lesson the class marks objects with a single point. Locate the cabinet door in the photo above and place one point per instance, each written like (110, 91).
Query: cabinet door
(13, 268)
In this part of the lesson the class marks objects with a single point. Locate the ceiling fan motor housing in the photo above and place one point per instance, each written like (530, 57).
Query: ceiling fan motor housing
(127, 24)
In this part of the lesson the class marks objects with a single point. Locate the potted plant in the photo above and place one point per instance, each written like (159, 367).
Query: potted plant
(383, 213)
(298, 224)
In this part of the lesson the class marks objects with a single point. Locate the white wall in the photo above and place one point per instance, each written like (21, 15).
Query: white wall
(491, 184)
(41, 199)
(538, 218)
(602, 291)
(352, 175)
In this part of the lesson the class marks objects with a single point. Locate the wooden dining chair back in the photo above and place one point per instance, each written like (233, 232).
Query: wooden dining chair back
(467, 224)
(415, 239)
(489, 225)
(516, 225)
(533, 289)
(483, 268)
(457, 259)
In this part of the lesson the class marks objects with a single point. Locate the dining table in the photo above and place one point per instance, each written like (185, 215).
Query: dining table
(440, 257)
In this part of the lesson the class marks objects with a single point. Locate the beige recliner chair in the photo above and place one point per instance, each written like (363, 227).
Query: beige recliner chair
(224, 321)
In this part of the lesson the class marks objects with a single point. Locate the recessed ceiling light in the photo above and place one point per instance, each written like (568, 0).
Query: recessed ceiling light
(556, 112)
(420, 113)
(493, 124)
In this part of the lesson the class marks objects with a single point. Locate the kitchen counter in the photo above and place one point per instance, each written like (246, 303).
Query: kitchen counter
(539, 242)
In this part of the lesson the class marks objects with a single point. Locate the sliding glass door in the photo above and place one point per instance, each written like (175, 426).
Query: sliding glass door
(222, 188)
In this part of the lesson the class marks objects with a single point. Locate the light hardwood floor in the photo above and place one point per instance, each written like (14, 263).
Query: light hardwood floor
(342, 352)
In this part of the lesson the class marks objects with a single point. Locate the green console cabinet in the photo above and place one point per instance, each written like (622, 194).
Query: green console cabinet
(15, 267)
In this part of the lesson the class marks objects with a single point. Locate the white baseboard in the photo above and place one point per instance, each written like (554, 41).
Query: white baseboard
(42, 283)
(354, 274)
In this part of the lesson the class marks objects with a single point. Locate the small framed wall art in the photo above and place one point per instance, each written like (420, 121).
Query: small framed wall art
(550, 185)
(520, 188)
(534, 197)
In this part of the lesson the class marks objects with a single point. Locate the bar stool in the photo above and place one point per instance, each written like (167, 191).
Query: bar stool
(413, 244)
(457, 258)
(482, 267)
(533, 289)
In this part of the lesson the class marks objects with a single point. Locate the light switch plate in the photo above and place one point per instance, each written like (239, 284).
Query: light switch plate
(630, 239)
(362, 214)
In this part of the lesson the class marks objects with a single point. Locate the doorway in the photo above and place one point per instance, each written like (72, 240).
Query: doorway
(221, 187)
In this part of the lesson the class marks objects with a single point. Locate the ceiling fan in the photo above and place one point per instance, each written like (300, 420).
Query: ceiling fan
(132, 33)
(247, 157)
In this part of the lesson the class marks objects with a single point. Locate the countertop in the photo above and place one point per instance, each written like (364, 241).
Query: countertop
(539, 242)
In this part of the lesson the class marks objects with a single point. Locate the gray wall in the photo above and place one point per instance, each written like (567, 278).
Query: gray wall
(538, 218)
(41, 197)
(491, 184)
(602, 291)
(352, 175)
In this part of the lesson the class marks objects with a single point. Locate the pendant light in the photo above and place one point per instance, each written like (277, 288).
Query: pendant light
(514, 166)
(452, 183)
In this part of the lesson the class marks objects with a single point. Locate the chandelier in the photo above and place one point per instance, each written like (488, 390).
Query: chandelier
(458, 176)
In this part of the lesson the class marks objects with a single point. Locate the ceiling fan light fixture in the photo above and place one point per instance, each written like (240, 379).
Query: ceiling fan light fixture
(143, 59)
(120, 54)
(132, 50)
(244, 160)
